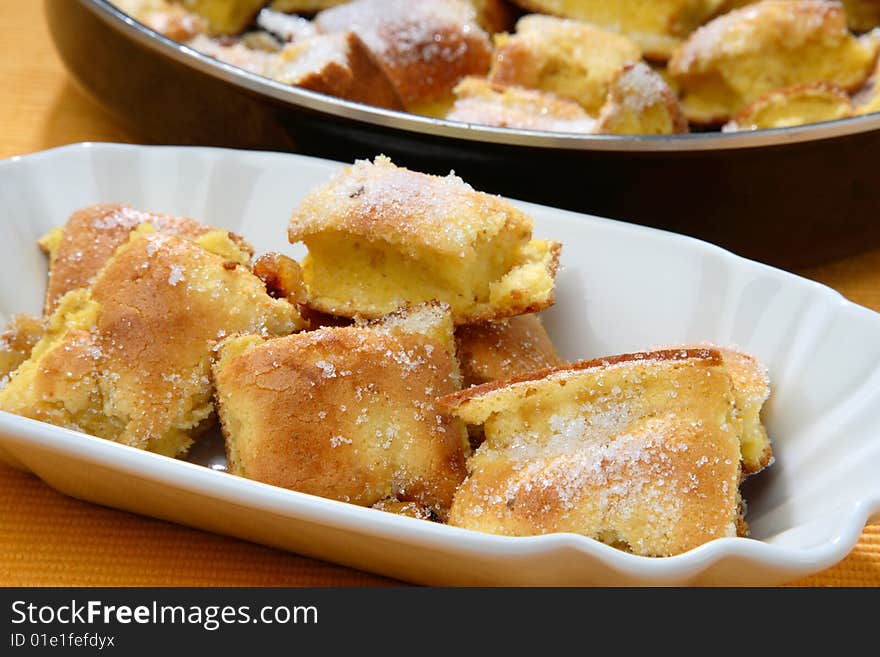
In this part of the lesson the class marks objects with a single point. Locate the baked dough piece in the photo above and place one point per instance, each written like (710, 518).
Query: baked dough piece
(16, 343)
(658, 26)
(78, 249)
(485, 103)
(500, 350)
(347, 413)
(740, 56)
(425, 46)
(800, 104)
(640, 102)
(128, 359)
(640, 451)
(380, 237)
(338, 65)
(568, 58)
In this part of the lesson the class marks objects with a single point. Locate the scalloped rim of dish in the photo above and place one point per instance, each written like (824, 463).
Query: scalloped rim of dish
(419, 124)
(790, 561)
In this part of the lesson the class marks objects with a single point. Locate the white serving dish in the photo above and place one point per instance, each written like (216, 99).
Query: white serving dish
(622, 288)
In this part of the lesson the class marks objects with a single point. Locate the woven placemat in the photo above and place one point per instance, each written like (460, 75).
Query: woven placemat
(48, 539)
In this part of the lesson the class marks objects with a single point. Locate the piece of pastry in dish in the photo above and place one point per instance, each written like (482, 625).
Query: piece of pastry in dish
(658, 26)
(499, 350)
(336, 64)
(381, 237)
(739, 57)
(128, 358)
(424, 46)
(800, 104)
(640, 451)
(568, 58)
(482, 102)
(640, 102)
(78, 249)
(348, 412)
(16, 343)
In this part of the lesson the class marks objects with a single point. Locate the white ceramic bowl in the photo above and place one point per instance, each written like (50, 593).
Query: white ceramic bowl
(622, 288)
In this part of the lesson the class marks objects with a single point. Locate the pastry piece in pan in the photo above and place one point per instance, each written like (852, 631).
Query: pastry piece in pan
(739, 57)
(336, 64)
(800, 104)
(640, 102)
(571, 59)
(482, 102)
(424, 46)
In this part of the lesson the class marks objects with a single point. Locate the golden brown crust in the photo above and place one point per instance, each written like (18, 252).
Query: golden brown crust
(498, 350)
(549, 54)
(424, 46)
(128, 358)
(641, 452)
(338, 65)
(92, 234)
(454, 401)
(347, 413)
(748, 52)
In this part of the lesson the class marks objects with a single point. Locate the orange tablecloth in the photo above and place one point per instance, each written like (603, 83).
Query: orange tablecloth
(49, 539)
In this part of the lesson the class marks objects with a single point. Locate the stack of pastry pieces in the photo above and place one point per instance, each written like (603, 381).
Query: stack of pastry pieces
(645, 451)
(400, 365)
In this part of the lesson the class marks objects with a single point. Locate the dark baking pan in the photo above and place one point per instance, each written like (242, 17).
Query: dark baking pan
(792, 197)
